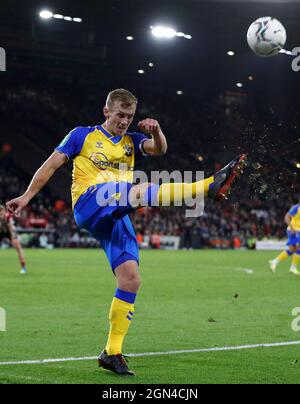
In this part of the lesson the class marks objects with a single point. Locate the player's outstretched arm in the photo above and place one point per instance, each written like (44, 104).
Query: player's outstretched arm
(157, 146)
(39, 180)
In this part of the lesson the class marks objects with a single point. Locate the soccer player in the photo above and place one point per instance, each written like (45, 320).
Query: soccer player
(8, 231)
(99, 155)
(292, 219)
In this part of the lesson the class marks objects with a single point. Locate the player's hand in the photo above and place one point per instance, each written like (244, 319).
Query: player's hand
(150, 127)
(16, 205)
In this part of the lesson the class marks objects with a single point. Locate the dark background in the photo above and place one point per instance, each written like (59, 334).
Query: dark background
(97, 50)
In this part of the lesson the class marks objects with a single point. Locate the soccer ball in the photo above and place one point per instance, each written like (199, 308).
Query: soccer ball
(266, 36)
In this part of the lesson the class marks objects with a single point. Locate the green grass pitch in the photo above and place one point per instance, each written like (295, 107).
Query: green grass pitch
(188, 300)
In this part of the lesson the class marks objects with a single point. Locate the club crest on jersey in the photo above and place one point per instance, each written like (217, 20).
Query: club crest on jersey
(99, 145)
(128, 150)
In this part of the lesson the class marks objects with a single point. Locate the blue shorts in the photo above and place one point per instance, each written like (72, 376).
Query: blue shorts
(293, 239)
(110, 225)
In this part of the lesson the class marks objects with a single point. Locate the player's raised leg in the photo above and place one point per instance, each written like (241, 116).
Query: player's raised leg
(216, 187)
(223, 179)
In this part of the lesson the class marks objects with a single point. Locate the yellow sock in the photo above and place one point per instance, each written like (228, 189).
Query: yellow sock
(283, 256)
(120, 317)
(295, 261)
(179, 192)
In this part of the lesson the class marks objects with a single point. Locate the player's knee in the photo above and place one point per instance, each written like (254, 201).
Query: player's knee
(292, 249)
(14, 243)
(134, 281)
(128, 278)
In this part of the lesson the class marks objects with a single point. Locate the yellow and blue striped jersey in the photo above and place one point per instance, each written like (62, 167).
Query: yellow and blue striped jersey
(295, 213)
(99, 157)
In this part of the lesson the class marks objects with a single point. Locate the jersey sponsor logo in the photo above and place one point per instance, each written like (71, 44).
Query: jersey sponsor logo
(99, 145)
(100, 160)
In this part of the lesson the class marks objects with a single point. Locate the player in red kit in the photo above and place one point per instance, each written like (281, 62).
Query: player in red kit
(8, 231)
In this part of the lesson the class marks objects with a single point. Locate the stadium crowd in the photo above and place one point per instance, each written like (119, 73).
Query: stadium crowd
(214, 132)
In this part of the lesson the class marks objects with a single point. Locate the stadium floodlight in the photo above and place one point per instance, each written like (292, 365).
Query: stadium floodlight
(167, 33)
(240, 85)
(141, 71)
(163, 32)
(230, 53)
(179, 92)
(46, 14)
(130, 38)
(151, 64)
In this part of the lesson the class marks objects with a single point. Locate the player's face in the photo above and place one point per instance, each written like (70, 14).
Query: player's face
(118, 118)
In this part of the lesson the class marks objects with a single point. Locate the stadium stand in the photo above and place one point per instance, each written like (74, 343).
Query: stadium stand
(45, 113)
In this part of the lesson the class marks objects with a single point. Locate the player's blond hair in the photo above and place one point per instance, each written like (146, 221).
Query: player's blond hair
(126, 97)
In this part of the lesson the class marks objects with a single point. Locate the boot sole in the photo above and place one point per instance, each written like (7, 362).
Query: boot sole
(236, 171)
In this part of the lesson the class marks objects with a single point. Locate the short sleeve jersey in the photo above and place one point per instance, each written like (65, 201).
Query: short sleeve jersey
(99, 157)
